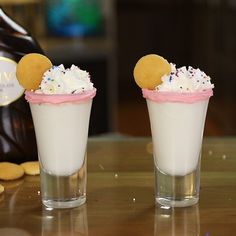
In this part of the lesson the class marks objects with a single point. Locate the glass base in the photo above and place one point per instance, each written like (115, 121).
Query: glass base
(63, 191)
(177, 191)
(64, 204)
(177, 203)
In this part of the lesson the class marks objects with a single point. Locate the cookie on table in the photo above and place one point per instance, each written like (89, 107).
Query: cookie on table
(12, 184)
(149, 148)
(30, 70)
(10, 171)
(149, 69)
(31, 167)
(1, 189)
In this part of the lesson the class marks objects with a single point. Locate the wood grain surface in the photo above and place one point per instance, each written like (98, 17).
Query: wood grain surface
(120, 196)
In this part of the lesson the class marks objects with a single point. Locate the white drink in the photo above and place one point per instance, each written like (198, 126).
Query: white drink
(61, 132)
(177, 131)
(177, 100)
(60, 105)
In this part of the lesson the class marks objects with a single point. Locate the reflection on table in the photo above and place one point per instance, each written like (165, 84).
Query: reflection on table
(57, 221)
(177, 221)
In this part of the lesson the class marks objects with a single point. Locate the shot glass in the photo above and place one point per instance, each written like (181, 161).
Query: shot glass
(177, 131)
(61, 126)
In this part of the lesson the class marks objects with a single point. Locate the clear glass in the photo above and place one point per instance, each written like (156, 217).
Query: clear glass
(177, 191)
(177, 132)
(62, 133)
(64, 191)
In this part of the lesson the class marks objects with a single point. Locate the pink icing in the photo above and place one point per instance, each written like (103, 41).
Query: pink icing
(160, 96)
(59, 98)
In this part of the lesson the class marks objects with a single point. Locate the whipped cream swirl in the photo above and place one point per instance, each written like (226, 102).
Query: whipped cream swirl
(185, 80)
(59, 80)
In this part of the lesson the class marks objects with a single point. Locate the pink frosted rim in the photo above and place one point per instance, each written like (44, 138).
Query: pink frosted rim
(192, 97)
(59, 98)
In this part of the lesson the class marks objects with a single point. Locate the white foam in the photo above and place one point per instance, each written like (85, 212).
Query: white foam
(185, 80)
(59, 80)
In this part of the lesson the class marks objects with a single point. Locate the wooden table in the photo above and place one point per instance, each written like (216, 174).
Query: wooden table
(120, 196)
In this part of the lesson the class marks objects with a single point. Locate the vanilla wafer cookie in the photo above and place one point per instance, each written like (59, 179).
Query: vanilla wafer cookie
(149, 69)
(1, 189)
(10, 171)
(31, 167)
(30, 70)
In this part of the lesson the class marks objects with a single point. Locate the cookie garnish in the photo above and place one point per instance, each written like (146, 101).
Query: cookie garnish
(149, 70)
(30, 70)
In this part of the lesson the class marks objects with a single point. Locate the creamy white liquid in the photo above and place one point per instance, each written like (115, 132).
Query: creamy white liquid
(177, 131)
(61, 133)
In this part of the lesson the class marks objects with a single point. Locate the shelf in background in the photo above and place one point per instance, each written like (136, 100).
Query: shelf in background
(19, 2)
(85, 48)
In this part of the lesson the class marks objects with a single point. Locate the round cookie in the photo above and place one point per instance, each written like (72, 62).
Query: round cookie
(13, 184)
(10, 171)
(149, 70)
(31, 167)
(30, 70)
(149, 148)
(1, 189)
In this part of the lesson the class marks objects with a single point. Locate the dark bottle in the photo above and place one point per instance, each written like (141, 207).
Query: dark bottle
(17, 138)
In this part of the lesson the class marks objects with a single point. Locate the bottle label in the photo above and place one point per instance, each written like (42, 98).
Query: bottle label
(10, 89)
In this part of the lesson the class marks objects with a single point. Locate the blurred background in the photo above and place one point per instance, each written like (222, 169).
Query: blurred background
(107, 37)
